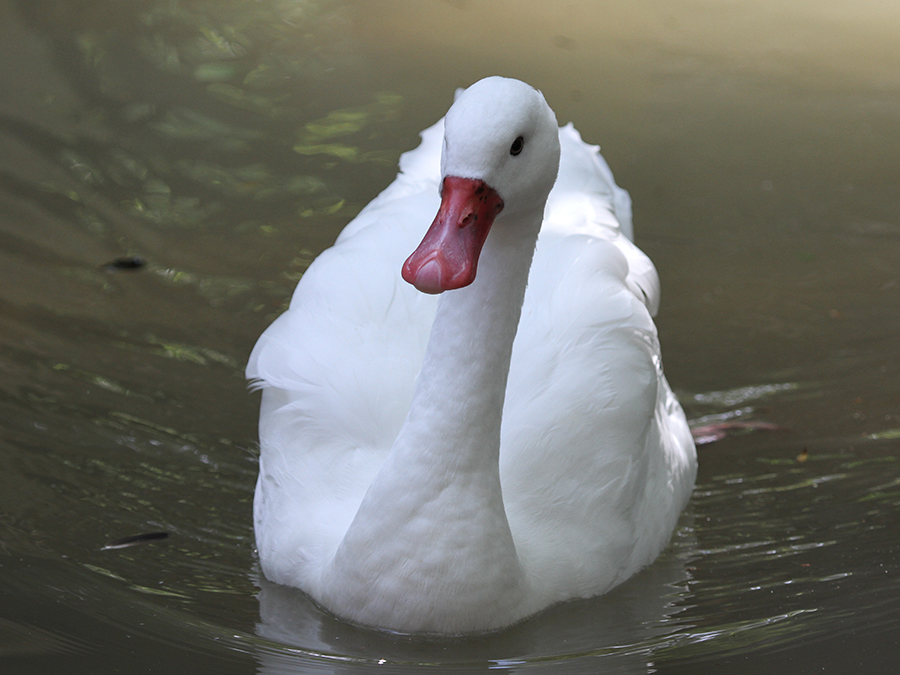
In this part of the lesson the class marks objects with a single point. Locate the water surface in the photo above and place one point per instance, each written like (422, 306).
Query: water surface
(214, 148)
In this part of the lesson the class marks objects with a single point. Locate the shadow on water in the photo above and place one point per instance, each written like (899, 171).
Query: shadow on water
(226, 143)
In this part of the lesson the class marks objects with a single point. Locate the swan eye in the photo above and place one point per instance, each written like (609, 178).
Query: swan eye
(517, 146)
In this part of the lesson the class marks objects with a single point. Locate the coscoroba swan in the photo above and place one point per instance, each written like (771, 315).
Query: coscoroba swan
(454, 463)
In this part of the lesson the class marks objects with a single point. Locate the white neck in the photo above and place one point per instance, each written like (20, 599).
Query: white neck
(432, 524)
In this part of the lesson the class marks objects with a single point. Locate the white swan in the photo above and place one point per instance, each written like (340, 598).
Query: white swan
(425, 467)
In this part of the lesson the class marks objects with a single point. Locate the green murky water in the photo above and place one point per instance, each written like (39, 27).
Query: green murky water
(226, 143)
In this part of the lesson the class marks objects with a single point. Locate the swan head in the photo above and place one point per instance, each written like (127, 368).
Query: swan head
(499, 161)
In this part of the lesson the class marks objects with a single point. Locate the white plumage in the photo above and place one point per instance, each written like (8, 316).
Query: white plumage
(472, 521)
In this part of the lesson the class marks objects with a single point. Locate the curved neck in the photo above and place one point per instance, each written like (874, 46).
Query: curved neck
(458, 403)
(437, 498)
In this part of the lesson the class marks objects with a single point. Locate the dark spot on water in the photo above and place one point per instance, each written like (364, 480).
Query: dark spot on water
(135, 540)
(131, 262)
(564, 42)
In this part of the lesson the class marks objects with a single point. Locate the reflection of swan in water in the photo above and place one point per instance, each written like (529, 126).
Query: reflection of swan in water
(616, 633)
(383, 450)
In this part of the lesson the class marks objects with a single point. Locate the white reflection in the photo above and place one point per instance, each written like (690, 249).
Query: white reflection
(618, 632)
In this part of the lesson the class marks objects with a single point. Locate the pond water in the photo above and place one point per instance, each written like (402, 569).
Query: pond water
(225, 143)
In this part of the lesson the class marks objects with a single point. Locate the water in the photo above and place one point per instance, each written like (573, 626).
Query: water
(226, 143)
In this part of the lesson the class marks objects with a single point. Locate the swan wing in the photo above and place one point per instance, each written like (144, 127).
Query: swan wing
(596, 456)
(337, 371)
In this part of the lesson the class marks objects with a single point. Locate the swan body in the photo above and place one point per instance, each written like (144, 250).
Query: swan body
(455, 460)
